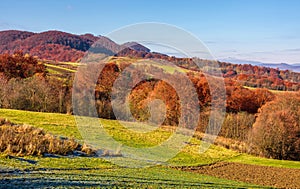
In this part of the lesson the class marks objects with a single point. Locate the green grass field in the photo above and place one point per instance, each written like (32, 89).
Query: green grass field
(62, 67)
(92, 172)
(97, 171)
(81, 173)
(65, 125)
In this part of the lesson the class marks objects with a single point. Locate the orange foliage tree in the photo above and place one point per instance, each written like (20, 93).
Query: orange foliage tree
(276, 132)
(19, 65)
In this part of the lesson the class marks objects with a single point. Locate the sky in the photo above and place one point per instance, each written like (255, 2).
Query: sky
(258, 30)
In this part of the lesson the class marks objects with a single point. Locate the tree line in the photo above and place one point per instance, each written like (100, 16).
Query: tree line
(24, 85)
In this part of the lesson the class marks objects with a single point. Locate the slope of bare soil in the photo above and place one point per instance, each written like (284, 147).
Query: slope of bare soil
(260, 175)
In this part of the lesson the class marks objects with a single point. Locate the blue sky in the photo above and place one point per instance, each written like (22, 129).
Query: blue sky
(259, 30)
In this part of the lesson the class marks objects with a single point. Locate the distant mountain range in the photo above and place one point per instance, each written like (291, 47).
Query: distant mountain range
(60, 46)
(281, 66)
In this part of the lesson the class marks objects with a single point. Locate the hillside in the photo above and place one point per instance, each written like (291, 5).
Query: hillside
(261, 77)
(216, 168)
(239, 74)
(57, 45)
(53, 45)
(66, 47)
(29, 83)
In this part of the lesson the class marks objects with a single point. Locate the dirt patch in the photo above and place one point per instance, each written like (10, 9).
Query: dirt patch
(260, 175)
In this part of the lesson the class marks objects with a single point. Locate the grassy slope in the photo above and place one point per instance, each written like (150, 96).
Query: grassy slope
(96, 168)
(58, 124)
(107, 176)
(59, 67)
(65, 125)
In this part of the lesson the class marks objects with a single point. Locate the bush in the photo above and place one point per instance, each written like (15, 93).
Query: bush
(25, 140)
(276, 132)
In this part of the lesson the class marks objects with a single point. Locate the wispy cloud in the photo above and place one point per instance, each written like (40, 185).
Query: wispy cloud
(230, 51)
(210, 42)
(292, 50)
(284, 56)
(5, 25)
(69, 7)
(199, 52)
(282, 37)
(11, 26)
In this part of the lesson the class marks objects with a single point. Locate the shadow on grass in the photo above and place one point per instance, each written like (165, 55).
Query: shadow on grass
(72, 180)
(22, 159)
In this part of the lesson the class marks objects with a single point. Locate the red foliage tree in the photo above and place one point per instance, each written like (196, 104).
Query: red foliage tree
(19, 65)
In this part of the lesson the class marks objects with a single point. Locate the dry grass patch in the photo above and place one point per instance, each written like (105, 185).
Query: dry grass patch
(24, 140)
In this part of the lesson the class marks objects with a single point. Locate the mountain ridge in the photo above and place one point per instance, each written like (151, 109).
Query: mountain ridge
(58, 45)
(282, 66)
(66, 47)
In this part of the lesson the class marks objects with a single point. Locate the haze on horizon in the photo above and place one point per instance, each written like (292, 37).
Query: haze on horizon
(265, 31)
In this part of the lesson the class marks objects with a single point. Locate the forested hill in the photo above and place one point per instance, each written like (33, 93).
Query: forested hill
(66, 47)
(241, 74)
(57, 45)
(261, 77)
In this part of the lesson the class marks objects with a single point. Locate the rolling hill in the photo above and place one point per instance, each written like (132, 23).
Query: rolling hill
(58, 45)
(65, 47)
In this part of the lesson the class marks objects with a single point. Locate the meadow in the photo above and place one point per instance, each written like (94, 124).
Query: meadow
(69, 171)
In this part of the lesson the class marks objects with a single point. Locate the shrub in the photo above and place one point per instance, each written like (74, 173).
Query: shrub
(25, 140)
